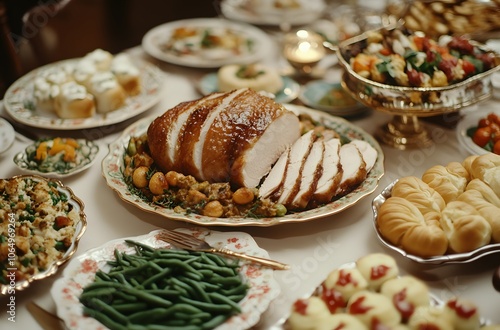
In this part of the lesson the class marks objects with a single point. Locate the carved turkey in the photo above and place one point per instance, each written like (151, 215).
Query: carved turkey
(223, 137)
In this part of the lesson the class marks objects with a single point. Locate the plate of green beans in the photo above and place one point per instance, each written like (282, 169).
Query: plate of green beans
(144, 283)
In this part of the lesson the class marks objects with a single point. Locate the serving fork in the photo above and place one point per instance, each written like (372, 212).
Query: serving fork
(189, 242)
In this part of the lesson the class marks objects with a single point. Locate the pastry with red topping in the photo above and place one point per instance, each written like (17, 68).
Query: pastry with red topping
(406, 293)
(373, 309)
(430, 317)
(377, 268)
(463, 314)
(309, 314)
(346, 281)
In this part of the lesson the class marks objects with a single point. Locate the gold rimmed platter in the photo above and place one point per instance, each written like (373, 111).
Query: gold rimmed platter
(32, 256)
(113, 165)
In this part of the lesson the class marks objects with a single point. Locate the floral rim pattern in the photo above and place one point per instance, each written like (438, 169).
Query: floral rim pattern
(81, 271)
(18, 101)
(112, 166)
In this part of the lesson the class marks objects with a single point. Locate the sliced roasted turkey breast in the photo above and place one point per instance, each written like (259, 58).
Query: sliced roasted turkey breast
(353, 166)
(313, 166)
(298, 155)
(275, 177)
(331, 173)
(223, 137)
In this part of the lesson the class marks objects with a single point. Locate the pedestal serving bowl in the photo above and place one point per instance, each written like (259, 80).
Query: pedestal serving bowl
(407, 104)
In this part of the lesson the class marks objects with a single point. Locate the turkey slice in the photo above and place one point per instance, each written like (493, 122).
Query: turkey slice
(331, 173)
(354, 168)
(275, 177)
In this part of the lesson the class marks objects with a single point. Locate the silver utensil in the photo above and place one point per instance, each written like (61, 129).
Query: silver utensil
(189, 242)
(45, 319)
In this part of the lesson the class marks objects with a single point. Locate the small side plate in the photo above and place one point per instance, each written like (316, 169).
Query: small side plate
(7, 135)
(85, 157)
(209, 84)
(341, 103)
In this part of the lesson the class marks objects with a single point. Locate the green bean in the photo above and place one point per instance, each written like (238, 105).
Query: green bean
(200, 292)
(156, 277)
(150, 315)
(217, 269)
(235, 290)
(104, 319)
(108, 310)
(226, 281)
(177, 263)
(209, 307)
(150, 298)
(130, 306)
(223, 299)
(175, 327)
(218, 320)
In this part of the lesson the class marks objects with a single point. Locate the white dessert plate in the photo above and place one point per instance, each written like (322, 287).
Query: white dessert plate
(81, 271)
(456, 258)
(63, 200)
(54, 166)
(340, 103)
(468, 122)
(113, 164)
(209, 84)
(263, 12)
(7, 135)
(19, 101)
(254, 43)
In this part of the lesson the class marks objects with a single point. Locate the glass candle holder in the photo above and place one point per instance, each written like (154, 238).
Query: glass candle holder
(303, 49)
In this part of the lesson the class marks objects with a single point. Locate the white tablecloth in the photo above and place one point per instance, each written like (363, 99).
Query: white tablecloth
(312, 248)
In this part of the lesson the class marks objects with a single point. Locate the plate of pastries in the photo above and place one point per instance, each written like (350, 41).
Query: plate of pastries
(239, 158)
(208, 292)
(447, 215)
(372, 293)
(95, 90)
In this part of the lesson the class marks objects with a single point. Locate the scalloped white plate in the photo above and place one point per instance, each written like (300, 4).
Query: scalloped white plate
(19, 101)
(80, 227)
(112, 166)
(81, 271)
(85, 159)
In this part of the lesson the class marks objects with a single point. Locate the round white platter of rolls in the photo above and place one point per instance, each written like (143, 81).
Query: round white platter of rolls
(113, 165)
(19, 100)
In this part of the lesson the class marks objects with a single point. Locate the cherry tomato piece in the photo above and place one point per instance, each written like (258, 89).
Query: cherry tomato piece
(496, 147)
(494, 118)
(483, 122)
(482, 136)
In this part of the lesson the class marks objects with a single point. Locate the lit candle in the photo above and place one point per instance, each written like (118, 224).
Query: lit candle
(303, 50)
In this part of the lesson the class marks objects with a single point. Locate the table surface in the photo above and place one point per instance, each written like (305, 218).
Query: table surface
(312, 248)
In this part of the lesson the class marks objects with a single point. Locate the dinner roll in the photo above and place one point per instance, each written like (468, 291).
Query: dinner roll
(487, 210)
(127, 74)
(449, 181)
(402, 224)
(467, 163)
(485, 190)
(255, 76)
(465, 228)
(377, 268)
(425, 198)
(487, 168)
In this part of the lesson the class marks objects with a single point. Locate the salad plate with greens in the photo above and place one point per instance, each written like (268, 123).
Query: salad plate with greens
(57, 157)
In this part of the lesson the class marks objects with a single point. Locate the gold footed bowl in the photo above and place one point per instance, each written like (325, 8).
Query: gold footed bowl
(408, 104)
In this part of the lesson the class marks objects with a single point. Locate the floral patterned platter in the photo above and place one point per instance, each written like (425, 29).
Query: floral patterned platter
(81, 271)
(19, 104)
(112, 166)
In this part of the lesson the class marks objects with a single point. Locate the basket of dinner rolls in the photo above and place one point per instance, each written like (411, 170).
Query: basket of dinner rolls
(451, 209)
